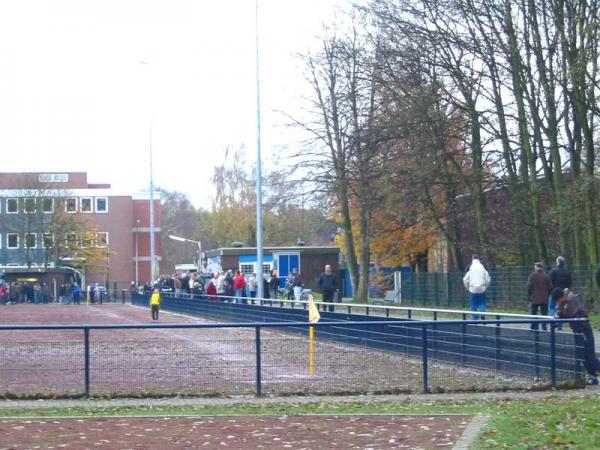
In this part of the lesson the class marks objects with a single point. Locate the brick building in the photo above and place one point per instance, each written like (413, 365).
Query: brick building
(31, 205)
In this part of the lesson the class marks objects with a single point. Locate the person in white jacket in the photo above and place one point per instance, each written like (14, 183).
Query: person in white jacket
(476, 281)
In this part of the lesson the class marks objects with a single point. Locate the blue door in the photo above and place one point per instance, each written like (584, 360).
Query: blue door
(286, 264)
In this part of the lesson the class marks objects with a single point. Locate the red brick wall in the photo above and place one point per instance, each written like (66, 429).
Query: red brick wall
(141, 213)
(118, 223)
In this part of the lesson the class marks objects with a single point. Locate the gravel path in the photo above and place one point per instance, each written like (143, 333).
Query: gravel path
(237, 432)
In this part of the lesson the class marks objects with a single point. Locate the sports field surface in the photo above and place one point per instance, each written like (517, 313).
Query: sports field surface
(204, 362)
(236, 432)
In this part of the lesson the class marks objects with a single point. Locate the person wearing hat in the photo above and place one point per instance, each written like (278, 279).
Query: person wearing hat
(569, 306)
(539, 286)
(476, 281)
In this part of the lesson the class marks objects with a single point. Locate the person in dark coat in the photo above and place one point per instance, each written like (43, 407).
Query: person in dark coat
(539, 287)
(569, 306)
(228, 285)
(274, 284)
(560, 275)
(266, 293)
(561, 278)
(328, 285)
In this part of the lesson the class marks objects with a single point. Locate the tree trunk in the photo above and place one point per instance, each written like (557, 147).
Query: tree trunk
(349, 250)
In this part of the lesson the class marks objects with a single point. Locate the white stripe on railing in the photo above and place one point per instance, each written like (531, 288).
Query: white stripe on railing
(366, 305)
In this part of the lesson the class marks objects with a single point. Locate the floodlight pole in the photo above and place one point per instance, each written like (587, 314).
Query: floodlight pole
(152, 247)
(137, 253)
(259, 225)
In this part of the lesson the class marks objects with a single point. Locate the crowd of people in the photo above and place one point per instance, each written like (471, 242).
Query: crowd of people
(550, 293)
(15, 292)
(69, 292)
(240, 287)
(232, 286)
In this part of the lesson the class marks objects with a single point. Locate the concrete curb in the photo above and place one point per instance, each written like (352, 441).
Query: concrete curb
(471, 432)
(250, 401)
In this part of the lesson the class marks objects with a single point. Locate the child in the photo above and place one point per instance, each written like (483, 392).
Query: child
(155, 303)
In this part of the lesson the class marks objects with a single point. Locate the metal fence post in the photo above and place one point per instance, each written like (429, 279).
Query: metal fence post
(536, 352)
(86, 343)
(462, 340)
(425, 361)
(497, 343)
(123, 296)
(436, 287)
(553, 353)
(258, 365)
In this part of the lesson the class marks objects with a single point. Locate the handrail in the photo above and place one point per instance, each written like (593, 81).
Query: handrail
(370, 306)
(416, 324)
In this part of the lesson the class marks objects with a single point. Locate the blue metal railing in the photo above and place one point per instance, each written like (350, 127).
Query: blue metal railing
(421, 336)
(517, 349)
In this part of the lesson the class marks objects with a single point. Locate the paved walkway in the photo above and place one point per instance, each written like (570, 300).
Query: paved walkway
(590, 391)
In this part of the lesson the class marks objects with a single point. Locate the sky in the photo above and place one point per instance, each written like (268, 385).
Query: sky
(83, 82)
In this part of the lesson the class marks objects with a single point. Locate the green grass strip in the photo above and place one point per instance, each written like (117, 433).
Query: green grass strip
(572, 423)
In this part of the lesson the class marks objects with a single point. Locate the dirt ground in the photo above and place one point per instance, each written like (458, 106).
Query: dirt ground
(236, 432)
(202, 361)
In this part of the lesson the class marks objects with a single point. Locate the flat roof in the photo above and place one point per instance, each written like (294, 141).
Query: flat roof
(313, 250)
(20, 270)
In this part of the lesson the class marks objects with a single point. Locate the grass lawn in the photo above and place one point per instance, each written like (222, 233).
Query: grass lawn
(550, 423)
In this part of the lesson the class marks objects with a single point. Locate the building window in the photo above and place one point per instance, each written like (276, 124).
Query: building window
(102, 239)
(86, 204)
(87, 240)
(247, 268)
(12, 205)
(71, 205)
(71, 240)
(29, 205)
(48, 241)
(30, 240)
(48, 205)
(101, 204)
(267, 268)
(12, 240)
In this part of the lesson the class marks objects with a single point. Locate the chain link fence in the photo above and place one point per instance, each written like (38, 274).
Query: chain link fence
(277, 359)
(508, 288)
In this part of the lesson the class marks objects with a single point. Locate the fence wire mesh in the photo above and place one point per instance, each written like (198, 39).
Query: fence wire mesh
(508, 287)
(209, 359)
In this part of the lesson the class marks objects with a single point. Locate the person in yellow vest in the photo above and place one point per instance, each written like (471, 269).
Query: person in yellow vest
(155, 303)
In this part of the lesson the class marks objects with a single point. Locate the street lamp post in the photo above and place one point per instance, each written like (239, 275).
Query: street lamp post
(198, 243)
(259, 224)
(137, 254)
(152, 232)
(153, 267)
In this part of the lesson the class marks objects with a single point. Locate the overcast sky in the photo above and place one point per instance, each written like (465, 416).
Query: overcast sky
(82, 81)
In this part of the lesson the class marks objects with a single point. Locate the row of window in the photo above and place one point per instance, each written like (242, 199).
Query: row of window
(45, 240)
(46, 205)
(250, 268)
